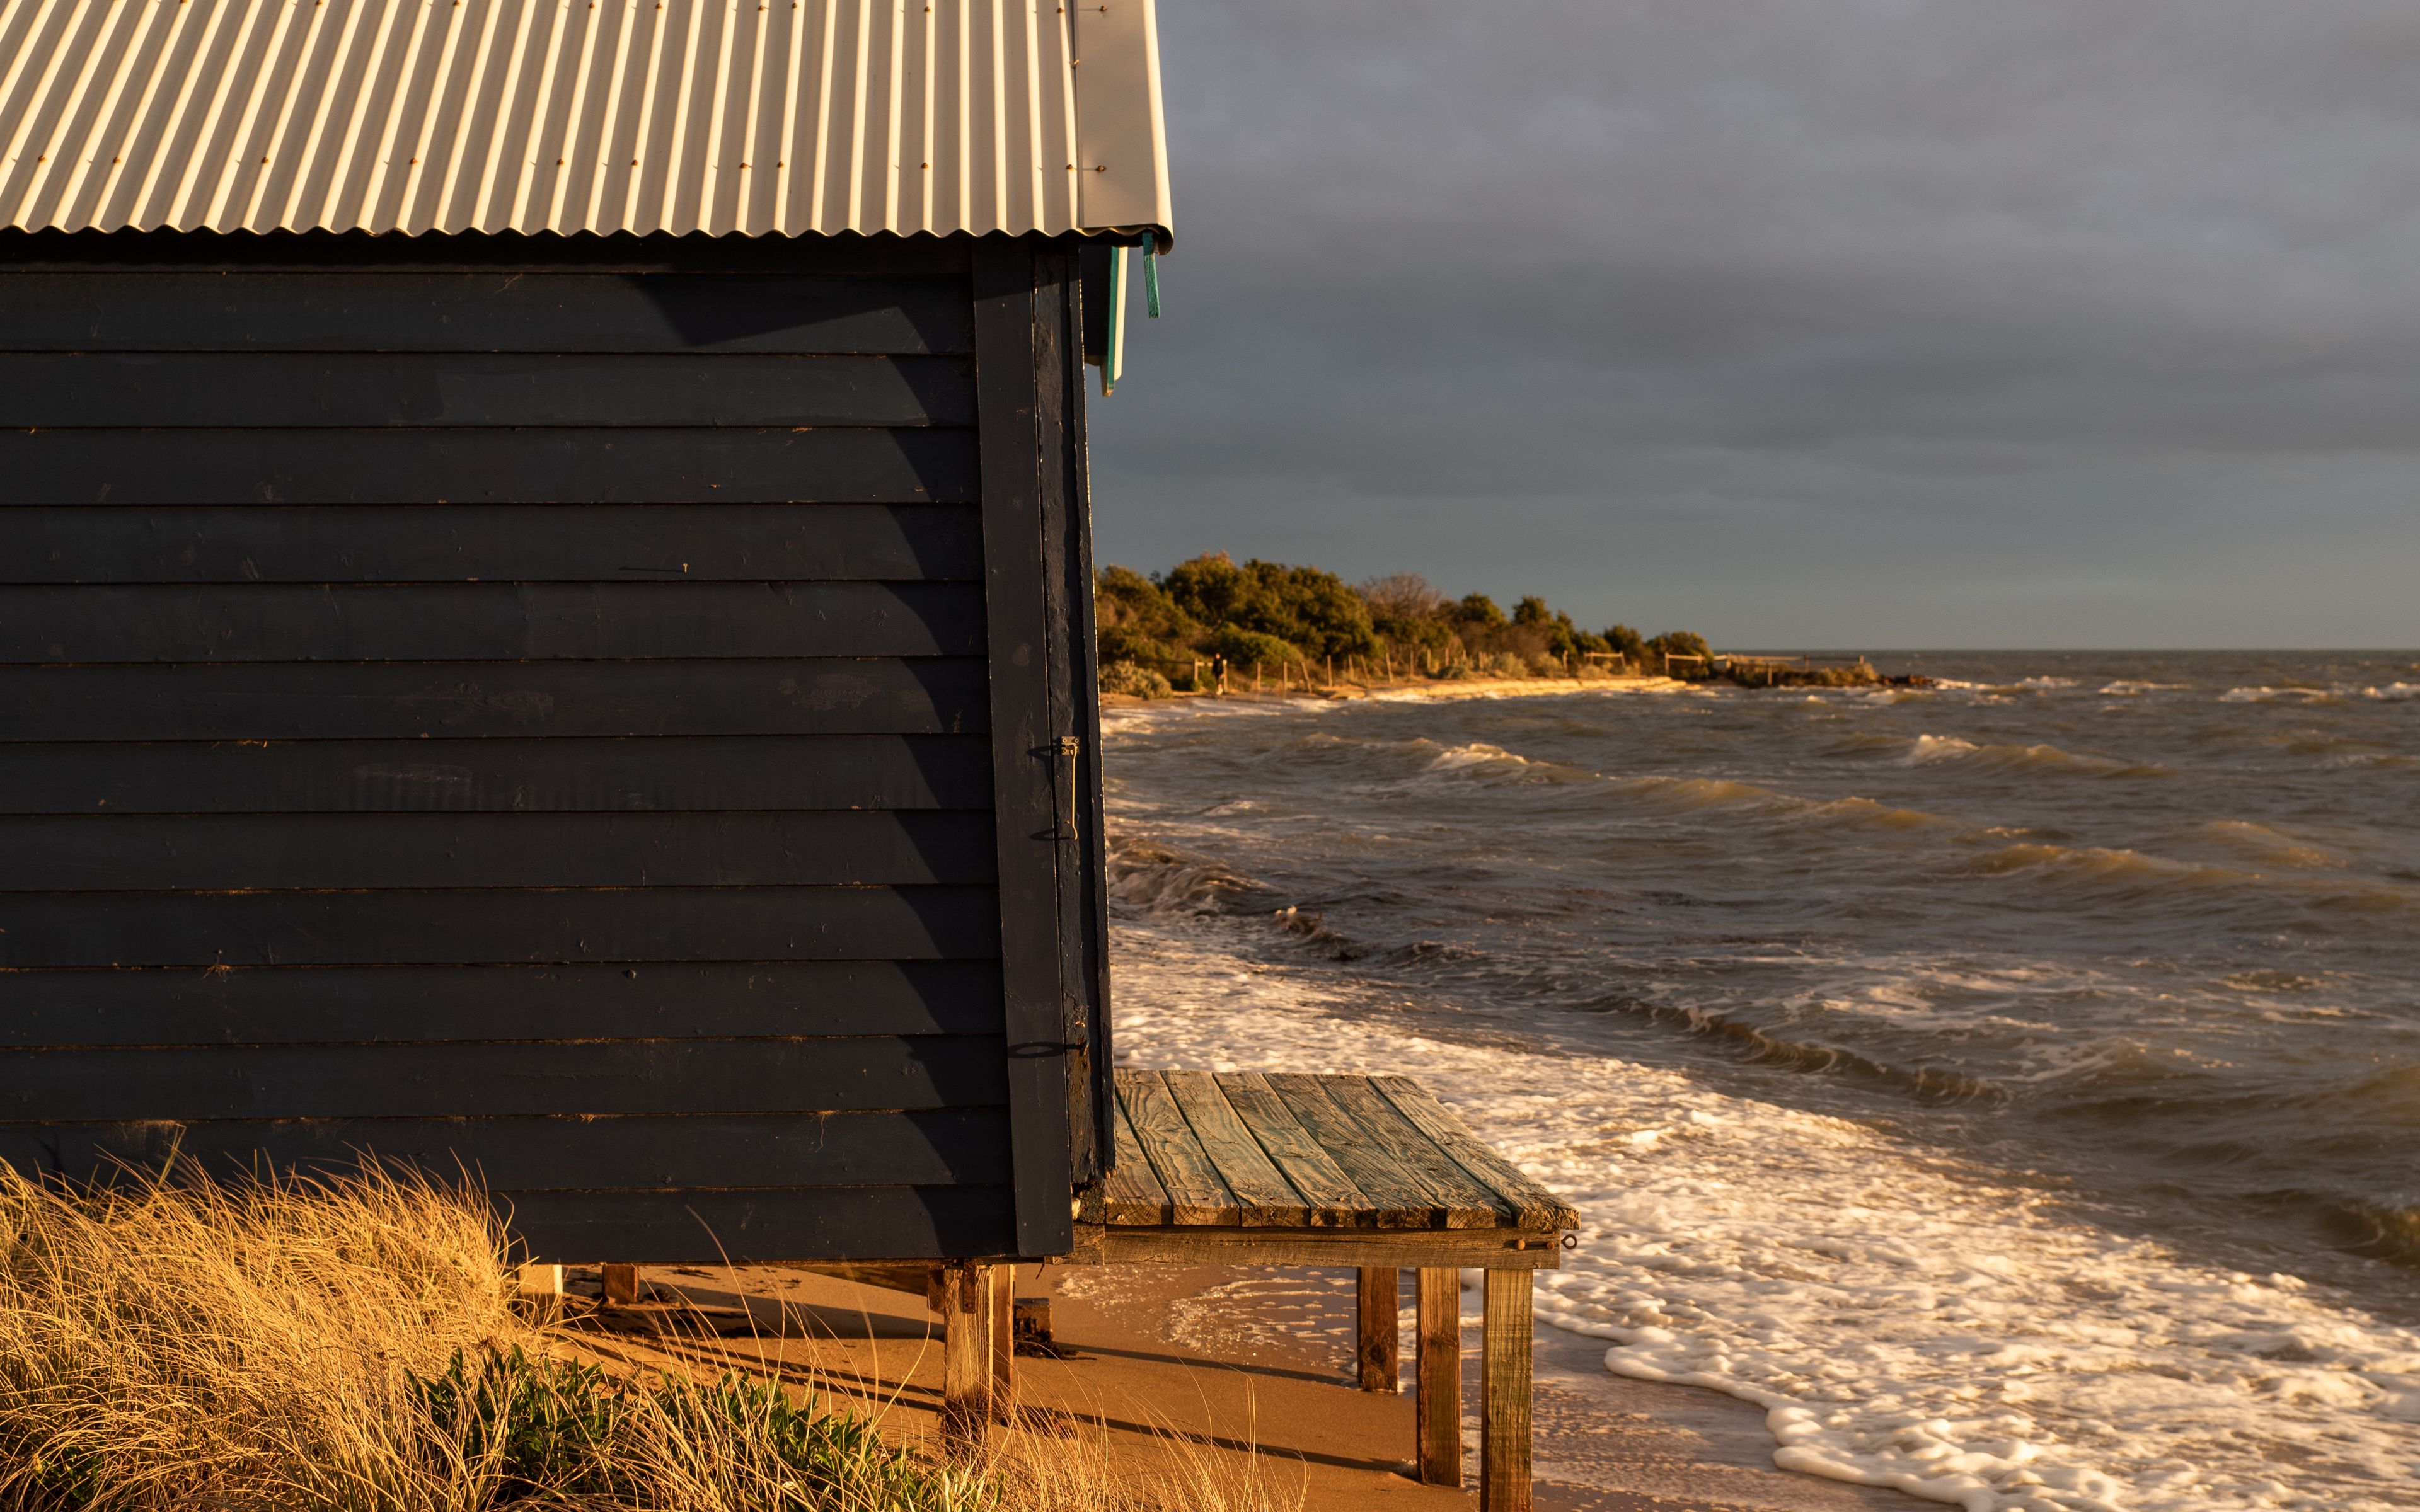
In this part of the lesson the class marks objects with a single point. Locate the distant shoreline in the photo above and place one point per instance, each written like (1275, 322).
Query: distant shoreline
(1409, 689)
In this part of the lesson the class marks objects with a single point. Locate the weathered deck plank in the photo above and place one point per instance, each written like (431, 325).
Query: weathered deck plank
(1537, 1207)
(1268, 1200)
(1335, 1201)
(1395, 1197)
(1465, 1202)
(1196, 1192)
(1134, 1195)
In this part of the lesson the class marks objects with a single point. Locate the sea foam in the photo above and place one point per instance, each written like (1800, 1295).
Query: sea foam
(1903, 1319)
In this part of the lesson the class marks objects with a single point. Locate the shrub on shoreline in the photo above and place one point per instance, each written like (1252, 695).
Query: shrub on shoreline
(1135, 681)
(1278, 615)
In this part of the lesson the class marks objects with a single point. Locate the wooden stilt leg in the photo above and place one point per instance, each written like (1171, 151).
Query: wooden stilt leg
(540, 1292)
(1379, 1358)
(1437, 1372)
(1004, 1340)
(965, 1351)
(620, 1284)
(1504, 1395)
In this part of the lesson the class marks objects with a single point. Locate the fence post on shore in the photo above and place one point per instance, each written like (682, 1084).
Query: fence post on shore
(1332, 672)
(1256, 677)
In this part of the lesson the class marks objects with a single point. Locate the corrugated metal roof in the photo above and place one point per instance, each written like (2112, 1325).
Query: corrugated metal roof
(789, 116)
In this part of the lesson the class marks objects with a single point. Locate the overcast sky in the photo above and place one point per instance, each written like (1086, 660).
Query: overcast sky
(1798, 322)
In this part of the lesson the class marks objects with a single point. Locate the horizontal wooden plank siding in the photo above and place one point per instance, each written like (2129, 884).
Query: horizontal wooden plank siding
(490, 542)
(861, 1222)
(580, 1079)
(910, 1146)
(481, 390)
(487, 622)
(412, 699)
(455, 1004)
(628, 465)
(249, 852)
(497, 774)
(508, 710)
(500, 311)
(436, 927)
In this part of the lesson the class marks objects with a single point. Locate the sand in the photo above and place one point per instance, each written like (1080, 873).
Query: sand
(1251, 1364)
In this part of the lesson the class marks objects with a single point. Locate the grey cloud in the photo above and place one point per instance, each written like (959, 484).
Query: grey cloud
(1790, 268)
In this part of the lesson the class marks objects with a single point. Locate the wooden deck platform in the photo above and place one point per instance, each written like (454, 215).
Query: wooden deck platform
(1372, 1164)
(1254, 1168)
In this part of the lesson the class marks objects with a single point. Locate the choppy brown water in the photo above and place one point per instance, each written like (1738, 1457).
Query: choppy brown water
(2147, 923)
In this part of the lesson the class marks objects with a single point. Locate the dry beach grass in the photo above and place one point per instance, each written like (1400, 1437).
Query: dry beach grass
(350, 1345)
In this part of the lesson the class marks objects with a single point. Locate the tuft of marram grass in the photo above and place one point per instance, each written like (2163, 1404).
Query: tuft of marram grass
(348, 1344)
(255, 1340)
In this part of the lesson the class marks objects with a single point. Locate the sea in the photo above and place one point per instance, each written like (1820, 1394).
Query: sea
(2011, 1086)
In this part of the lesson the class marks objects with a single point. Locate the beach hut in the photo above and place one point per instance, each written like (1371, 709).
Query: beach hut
(544, 610)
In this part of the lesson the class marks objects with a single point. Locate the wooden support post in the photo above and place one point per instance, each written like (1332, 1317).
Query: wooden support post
(965, 1351)
(1379, 1358)
(538, 1290)
(1437, 1376)
(1504, 1395)
(620, 1284)
(1004, 1340)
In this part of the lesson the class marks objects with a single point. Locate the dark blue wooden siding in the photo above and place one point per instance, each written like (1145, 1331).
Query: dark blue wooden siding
(531, 710)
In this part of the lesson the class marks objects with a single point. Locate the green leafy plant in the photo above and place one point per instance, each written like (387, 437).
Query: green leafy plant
(63, 1479)
(542, 1423)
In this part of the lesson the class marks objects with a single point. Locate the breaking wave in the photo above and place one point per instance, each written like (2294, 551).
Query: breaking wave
(1148, 879)
(2279, 695)
(2334, 692)
(1929, 749)
(1464, 758)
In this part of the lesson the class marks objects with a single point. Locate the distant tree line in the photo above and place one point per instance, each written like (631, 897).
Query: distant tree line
(1272, 615)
